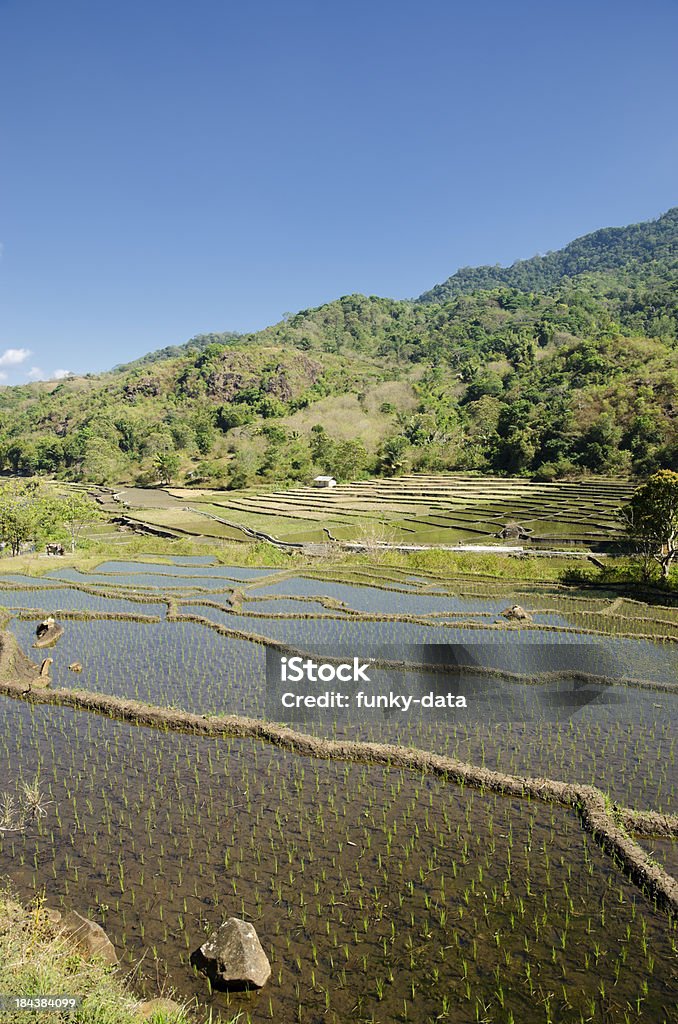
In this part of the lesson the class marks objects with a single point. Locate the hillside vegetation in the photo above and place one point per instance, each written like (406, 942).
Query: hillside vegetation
(556, 367)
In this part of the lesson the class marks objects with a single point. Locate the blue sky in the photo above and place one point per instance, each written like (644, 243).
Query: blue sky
(171, 168)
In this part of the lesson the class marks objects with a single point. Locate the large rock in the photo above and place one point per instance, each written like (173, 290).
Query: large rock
(90, 938)
(233, 957)
(48, 632)
(516, 614)
(43, 678)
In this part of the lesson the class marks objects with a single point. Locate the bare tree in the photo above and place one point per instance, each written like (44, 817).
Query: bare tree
(376, 537)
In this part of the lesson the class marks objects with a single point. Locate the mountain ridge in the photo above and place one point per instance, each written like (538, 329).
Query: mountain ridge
(580, 377)
(606, 249)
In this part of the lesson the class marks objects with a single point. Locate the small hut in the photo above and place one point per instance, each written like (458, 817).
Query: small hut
(324, 481)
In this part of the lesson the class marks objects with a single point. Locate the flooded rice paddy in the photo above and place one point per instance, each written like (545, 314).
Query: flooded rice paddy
(379, 894)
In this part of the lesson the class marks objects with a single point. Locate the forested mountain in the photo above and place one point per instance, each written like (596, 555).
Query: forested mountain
(648, 250)
(578, 376)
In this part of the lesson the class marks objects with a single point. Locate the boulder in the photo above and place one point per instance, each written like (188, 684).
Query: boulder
(48, 632)
(90, 938)
(148, 1009)
(233, 957)
(44, 678)
(516, 614)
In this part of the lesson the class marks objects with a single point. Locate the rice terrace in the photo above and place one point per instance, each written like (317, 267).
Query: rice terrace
(506, 863)
(412, 510)
(338, 513)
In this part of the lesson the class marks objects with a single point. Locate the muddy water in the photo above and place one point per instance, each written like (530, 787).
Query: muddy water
(54, 598)
(179, 664)
(664, 852)
(378, 895)
(626, 746)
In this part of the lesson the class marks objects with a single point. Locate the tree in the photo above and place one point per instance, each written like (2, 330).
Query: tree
(181, 431)
(392, 455)
(23, 457)
(651, 518)
(210, 472)
(76, 511)
(167, 464)
(376, 536)
(243, 468)
(299, 459)
(350, 459)
(133, 434)
(204, 432)
(515, 451)
(421, 429)
(323, 448)
(28, 511)
(50, 454)
(24, 513)
(99, 463)
(270, 406)
(229, 416)
(599, 447)
(486, 382)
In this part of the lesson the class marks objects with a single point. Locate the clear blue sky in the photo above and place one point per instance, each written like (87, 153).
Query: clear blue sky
(170, 168)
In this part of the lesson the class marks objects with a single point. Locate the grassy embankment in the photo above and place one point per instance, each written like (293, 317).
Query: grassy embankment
(261, 554)
(36, 960)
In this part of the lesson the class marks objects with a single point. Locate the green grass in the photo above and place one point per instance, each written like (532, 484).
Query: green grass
(93, 551)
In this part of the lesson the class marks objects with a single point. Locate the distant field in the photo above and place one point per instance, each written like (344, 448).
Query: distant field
(433, 509)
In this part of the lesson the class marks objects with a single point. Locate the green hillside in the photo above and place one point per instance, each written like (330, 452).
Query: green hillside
(558, 367)
(647, 250)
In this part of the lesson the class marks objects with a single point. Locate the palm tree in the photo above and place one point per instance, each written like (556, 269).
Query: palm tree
(167, 464)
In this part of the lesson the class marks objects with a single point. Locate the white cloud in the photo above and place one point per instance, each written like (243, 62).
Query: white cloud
(60, 374)
(14, 356)
(3, 376)
(35, 373)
